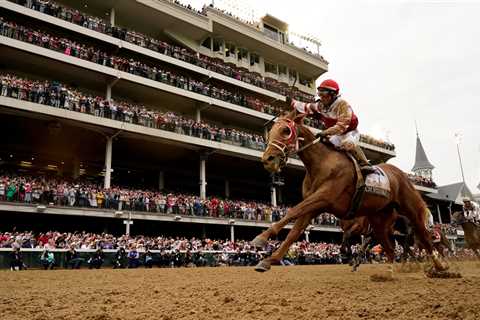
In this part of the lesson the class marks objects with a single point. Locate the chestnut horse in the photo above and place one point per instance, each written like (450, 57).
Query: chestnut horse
(329, 186)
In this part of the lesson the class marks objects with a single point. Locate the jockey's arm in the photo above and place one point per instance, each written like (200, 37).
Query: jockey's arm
(306, 108)
(344, 116)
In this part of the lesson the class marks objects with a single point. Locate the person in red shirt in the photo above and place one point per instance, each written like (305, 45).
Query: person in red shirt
(338, 118)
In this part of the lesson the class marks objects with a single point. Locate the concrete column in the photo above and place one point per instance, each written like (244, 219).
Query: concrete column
(307, 234)
(198, 115)
(161, 181)
(439, 214)
(76, 168)
(108, 163)
(232, 233)
(273, 195)
(112, 17)
(204, 231)
(108, 94)
(203, 177)
(279, 196)
(227, 189)
(127, 223)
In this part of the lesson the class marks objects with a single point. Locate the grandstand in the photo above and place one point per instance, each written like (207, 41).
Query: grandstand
(154, 98)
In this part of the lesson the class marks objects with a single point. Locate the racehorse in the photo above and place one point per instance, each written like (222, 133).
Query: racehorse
(329, 186)
(471, 231)
(353, 228)
(400, 231)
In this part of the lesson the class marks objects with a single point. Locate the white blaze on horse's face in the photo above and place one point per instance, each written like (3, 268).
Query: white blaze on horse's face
(280, 140)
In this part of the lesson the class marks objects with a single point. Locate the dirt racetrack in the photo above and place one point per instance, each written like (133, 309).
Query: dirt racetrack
(299, 292)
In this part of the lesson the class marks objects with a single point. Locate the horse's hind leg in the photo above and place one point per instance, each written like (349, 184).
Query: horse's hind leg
(381, 226)
(414, 210)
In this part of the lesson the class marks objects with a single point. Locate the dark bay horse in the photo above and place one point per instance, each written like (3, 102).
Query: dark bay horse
(357, 227)
(400, 231)
(471, 231)
(329, 186)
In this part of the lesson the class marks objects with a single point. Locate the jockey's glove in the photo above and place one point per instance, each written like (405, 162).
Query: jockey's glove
(321, 134)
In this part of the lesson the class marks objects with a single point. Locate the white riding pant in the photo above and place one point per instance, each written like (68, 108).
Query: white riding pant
(351, 136)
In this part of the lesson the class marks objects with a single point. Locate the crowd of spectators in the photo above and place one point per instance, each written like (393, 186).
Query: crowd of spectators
(162, 251)
(187, 55)
(449, 229)
(421, 181)
(65, 193)
(377, 142)
(72, 48)
(125, 251)
(158, 73)
(58, 95)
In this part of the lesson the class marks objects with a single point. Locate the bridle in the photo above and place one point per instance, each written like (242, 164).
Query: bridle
(290, 146)
(290, 143)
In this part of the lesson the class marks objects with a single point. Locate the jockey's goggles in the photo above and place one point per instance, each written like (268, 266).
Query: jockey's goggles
(324, 92)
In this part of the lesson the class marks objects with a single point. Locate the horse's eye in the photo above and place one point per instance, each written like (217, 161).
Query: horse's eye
(286, 131)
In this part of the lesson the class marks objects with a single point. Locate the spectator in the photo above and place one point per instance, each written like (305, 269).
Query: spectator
(96, 259)
(148, 259)
(16, 260)
(120, 258)
(72, 259)
(133, 258)
(47, 259)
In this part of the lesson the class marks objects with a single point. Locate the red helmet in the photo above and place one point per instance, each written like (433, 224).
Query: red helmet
(329, 84)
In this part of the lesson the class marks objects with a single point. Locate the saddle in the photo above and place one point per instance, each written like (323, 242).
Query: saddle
(374, 183)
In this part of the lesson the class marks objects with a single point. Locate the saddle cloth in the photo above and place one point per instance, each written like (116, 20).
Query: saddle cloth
(377, 183)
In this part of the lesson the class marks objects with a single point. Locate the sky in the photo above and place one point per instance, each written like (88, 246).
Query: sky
(397, 63)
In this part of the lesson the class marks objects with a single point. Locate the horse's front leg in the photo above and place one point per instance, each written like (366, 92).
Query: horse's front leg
(313, 203)
(292, 236)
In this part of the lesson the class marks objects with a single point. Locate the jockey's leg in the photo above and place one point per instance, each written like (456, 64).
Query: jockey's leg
(362, 160)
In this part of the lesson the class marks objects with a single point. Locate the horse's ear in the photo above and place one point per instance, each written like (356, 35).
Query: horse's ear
(298, 117)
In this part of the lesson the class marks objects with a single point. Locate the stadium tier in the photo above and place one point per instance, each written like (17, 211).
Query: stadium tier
(150, 95)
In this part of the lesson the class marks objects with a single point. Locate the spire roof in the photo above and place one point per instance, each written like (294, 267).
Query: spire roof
(421, 160)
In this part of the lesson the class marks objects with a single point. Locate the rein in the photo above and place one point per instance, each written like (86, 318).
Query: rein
(290, 93)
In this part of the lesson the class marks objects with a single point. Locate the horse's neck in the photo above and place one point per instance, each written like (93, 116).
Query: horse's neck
(314, 154)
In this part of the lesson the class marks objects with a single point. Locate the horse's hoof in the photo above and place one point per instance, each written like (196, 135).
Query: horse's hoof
(432, 273)
(259, 243)
(262, 266)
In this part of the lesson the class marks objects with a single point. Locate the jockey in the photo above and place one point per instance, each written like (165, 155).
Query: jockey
(339, 120)
(471, 210)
